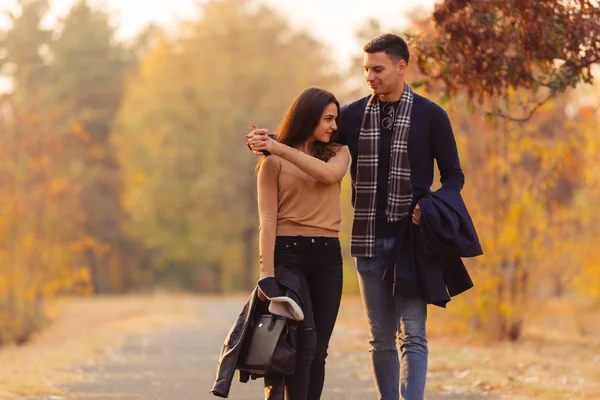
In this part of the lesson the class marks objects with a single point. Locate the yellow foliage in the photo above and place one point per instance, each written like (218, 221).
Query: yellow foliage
(97, 153)
(38, 210)
(81, 133)
(522, 181)
(89, 243)
(58, 185)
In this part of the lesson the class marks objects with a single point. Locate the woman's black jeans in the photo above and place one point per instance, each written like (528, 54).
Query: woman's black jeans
(319, 260)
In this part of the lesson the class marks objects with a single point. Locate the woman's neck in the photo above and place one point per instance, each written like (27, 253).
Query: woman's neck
(305, 147)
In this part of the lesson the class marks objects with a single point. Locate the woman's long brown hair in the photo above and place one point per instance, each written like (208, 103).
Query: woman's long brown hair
(301, 120)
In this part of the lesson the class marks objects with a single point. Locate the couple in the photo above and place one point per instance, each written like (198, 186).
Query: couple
(390, 140)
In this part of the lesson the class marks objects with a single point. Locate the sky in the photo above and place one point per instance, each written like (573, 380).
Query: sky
(333, 21)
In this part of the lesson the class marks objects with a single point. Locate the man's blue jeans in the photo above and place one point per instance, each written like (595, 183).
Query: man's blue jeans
(388, 317)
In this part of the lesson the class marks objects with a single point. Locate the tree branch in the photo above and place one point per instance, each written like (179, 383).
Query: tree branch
(531, 110)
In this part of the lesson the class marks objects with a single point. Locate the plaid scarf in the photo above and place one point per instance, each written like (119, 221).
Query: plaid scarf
(399, 185)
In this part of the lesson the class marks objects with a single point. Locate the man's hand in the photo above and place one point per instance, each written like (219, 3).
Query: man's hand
(258, 140)
(416, 217)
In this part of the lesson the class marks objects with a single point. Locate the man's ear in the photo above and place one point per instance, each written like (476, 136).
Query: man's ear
(401, 66)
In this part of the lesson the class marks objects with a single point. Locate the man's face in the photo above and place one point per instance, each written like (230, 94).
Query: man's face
(383, 75)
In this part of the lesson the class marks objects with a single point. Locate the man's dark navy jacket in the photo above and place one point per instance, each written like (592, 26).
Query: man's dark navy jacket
(417, 272)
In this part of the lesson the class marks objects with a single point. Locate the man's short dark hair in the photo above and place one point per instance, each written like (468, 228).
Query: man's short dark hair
(393, 45)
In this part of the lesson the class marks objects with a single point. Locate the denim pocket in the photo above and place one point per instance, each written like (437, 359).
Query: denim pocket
(333, 246)
(383, 255)
(285, 246)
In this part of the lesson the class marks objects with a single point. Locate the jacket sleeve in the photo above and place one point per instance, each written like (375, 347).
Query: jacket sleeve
(341, 137)
(445, 152)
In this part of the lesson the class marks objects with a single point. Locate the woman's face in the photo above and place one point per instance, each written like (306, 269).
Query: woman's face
(327, 124)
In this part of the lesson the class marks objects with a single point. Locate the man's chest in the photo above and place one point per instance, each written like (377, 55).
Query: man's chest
(418, 141)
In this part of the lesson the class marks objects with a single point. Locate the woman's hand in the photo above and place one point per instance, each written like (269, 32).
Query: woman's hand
(258, 140)
(262, 296)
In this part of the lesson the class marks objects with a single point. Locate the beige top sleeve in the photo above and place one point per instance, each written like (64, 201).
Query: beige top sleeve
(267, 183)
(328, 172)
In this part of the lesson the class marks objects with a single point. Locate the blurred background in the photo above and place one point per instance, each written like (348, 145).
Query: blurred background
(123, 166)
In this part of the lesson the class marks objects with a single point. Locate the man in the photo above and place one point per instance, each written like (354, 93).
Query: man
(393, 136)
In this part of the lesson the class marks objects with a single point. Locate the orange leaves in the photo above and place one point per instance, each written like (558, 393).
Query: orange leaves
(97, 153)
(89, 243)
(39, 210)
(485, 48)
(80, 133)
(589, 278)
(531, 189)
(58, 185)
(140, 177)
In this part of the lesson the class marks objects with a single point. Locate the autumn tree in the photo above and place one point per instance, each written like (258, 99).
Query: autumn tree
(21, 58)
(486, 48)
(190, 185)
(511, 59)
(39, 254)
(87, 73)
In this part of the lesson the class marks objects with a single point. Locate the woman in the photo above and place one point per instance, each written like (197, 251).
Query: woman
(299, 209)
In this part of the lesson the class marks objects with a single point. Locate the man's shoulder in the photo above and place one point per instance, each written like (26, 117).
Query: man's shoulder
(428, 106)
(357, 106)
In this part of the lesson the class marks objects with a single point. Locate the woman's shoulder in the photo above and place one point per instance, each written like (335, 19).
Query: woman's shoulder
(272, 161)
(341, 149)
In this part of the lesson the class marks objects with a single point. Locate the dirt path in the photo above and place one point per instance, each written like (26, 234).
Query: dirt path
(177, 362)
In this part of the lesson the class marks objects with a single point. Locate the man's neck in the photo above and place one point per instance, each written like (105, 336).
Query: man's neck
(394, 96)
